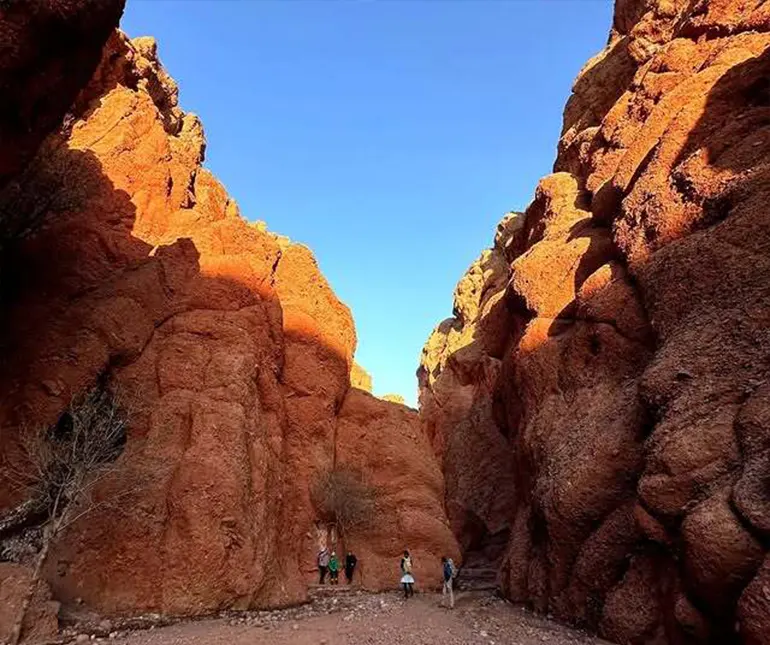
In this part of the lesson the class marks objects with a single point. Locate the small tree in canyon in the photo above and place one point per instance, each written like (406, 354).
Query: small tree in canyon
(342, 497)
(58, 470)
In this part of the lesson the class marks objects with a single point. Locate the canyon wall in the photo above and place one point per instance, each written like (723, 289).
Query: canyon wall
(48, 52)
(606, 368)
(229, 350)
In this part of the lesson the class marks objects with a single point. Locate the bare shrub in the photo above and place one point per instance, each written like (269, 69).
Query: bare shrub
(58, 469)
(343, 497)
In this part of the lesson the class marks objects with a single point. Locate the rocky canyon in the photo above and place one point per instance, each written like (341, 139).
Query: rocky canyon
(599, 399)
(594, 419)
(125, 264)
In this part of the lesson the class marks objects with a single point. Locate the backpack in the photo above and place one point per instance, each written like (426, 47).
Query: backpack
(448, 571)
(452, 567)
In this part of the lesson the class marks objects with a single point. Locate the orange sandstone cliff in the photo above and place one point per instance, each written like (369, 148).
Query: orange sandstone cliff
(606, 367)
(232, 348)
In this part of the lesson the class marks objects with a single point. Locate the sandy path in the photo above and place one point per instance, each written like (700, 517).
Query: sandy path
(362, 619)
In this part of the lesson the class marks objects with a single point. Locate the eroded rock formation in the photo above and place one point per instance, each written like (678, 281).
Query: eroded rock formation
(384, 441)
(41, 622)
(231, 349)
(458, 374)
(624, 379)
(48, 52)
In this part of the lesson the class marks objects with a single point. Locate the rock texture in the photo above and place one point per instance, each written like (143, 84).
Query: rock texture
(228, 344)
(458, 374)
(48, 52)
(384, 441)
(40, 622)
(624, 381)
(360, 378)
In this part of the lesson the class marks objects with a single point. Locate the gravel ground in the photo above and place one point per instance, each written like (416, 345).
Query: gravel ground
(355, 618)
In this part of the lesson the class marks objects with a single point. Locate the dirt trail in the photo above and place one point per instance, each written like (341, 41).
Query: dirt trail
(363, 619)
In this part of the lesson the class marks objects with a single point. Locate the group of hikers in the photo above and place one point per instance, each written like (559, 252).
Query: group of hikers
(328, 563)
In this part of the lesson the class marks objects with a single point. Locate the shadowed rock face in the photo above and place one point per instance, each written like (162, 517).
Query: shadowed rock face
(628, 399)
(231, 348)
(48, 51)
(460, 366)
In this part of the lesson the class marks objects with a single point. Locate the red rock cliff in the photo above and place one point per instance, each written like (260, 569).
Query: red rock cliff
(232, 346)
(48, 51)
(607, 364)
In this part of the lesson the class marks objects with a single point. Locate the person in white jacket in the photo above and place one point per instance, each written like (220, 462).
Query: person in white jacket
(407, 579)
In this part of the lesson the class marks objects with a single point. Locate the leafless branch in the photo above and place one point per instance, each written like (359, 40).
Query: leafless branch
(343, 497)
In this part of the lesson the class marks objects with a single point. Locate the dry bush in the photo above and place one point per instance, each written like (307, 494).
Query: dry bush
(58, 469)
(342, 496)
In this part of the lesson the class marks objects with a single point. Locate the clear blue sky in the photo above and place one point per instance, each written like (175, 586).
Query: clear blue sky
(389, 136)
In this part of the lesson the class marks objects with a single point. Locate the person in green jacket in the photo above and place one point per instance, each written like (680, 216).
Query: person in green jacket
(334, 569)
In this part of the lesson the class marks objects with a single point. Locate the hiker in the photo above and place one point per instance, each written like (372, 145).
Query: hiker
(334, 569)
(323, 564)
(350, 566)
(448, 569)
(407, 580)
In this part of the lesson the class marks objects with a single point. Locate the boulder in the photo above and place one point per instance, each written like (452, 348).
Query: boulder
(41, 621)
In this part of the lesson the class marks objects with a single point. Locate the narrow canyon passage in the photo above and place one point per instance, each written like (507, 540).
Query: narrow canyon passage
(593, 433)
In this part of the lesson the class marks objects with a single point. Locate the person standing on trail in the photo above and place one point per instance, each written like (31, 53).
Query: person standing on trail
(334, 569)
(350, 566)
(323, 564)
(448, 568)
(407, 580)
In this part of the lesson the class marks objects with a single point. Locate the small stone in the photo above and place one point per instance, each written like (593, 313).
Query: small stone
(295, 627)
(82, 638)
(483, 634)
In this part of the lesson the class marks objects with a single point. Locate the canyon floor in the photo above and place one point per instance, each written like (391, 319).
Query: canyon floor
(350, 617)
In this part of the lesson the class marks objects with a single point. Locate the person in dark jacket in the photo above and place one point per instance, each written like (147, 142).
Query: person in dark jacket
(350, 566)
(448, 571)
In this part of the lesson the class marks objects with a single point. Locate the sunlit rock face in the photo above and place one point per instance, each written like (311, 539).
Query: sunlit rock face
(617, 402)
(48, 51)
(230, 349)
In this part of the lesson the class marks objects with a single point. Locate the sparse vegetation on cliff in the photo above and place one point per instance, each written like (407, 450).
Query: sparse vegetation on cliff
(343, 497)
(58, 470)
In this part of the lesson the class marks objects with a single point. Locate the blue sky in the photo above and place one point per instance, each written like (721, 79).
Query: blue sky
(390, 136)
